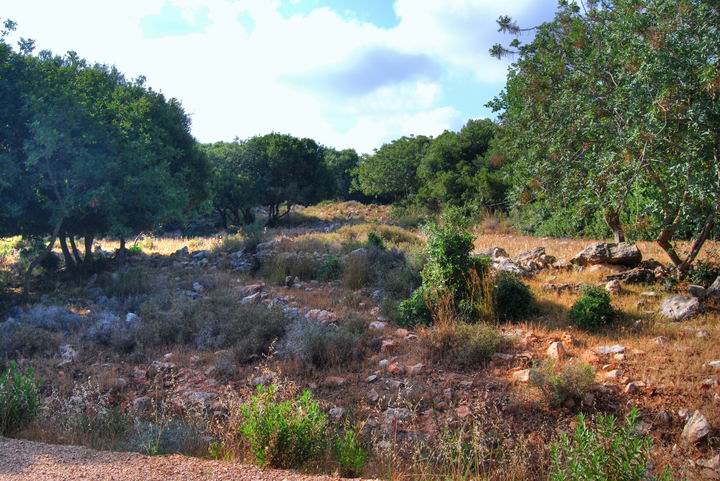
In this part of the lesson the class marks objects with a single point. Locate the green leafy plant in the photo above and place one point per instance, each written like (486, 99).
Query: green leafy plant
(563, 385)
(593, 310)
(283, 434)
(135, 249)
(512, 299)
(414, 310)
(19, 398)
(330, 269)
(350, 454)
(607, 451)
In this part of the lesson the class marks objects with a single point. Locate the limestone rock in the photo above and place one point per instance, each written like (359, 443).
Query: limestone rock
(696, 428)
(678, 307)
(626, 254)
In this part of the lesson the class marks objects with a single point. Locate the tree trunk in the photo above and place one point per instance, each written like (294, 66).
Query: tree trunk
(612, 218)
(248, 215)
(69, 262)
(683, 265)
(39, 259)
(76, 253)
(88, 250)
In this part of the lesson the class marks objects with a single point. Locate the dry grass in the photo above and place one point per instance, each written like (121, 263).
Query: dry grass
(348, 211)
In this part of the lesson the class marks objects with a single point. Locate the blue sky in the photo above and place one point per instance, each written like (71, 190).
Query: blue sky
(349, 73)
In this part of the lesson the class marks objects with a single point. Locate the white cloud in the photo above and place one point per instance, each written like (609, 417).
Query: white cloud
(235, 81)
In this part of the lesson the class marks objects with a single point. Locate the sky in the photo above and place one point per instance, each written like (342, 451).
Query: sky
(348, 73)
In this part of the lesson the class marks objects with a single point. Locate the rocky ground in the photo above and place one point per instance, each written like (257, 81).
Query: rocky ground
(664, 359)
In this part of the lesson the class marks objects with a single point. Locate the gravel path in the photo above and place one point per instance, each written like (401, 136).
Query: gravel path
(26, 460)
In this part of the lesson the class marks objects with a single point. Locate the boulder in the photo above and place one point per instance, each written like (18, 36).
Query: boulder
(493, 253)
(638, 275)
(678, 308)
(625, 254)
(614, 349)
(613, 287)
(504, 264)
(556, 351)
(534, 260)
(696, 428)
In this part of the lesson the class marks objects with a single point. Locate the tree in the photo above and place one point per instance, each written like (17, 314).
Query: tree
(390, 173)
(290, 171)
(339, 165)
(89, 153)
(456, 170)
(617, 100)
(234, 185)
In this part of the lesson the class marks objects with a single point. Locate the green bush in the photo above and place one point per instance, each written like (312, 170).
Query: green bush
(283, 434)
(564, 385)
(414, 311)
(135, 249)
(605, 452)
(593, 310)
(330, 269)
(350, 454)
(400, 282)
(512, 299)
(129, 282)
(294, 264)
(704, 273)
(19, 399)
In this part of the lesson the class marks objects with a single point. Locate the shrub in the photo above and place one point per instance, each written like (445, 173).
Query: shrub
(128, 282)
(564, 385)
(350, 454)
(327, 346)
(330, 269)
(294, 264)
(135, 249)
(593, 310)
(19, 399)
(465, 345)
(512, 299)
(358, 271)
(17, 339)
(400, 282)
(704, 273)
(414, 310)
(285, 434)
(606, 452)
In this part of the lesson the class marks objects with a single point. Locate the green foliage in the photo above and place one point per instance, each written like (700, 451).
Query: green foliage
(704, 273)
(606, 451)
(19, 339)
(390, 173)
(19, 399)
(375, 240)
(283, 434)
(330, 269)
(513, 300)
(645, 172)
(593, 309)
(294, 264)
(350, 454)
(563, 385)
(135, 249)
(127, 282)
(414, 311)
(339, 165)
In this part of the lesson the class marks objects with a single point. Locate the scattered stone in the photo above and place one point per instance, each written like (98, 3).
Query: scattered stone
(664, 419)
(263, 379)
(383, 363)
(502, 357)
(625, 254)
(678, 307)
(634, 387)
(395, 368)
(337, 412)
(556, 351)
(463, 411)
(372, 378)
(252, 299)
(416, 369)
(522, 375)
(649, 294)
(696, 428)
(614, 349)
(388, 346)
(493, 253)
(396, 414)
(250, 289)
(613, 287)
(68, 354)
(712, 364)
(712, 463)
(402, 333)
(504, 264)
(377, 325)
(661, 340)
(321, 315)
(182, 252)
(142, 403)
(614, 374)
(335, 381)
(197, 287)
(373, 396)
(697, 291)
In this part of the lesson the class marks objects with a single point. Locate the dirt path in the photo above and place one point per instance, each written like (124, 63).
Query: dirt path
(26, 460)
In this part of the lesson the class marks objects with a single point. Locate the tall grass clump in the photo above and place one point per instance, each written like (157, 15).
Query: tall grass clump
(283, 434)
(350, 454)
(608, 451)
(19, 399)
(512, 299)
(564, 385)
